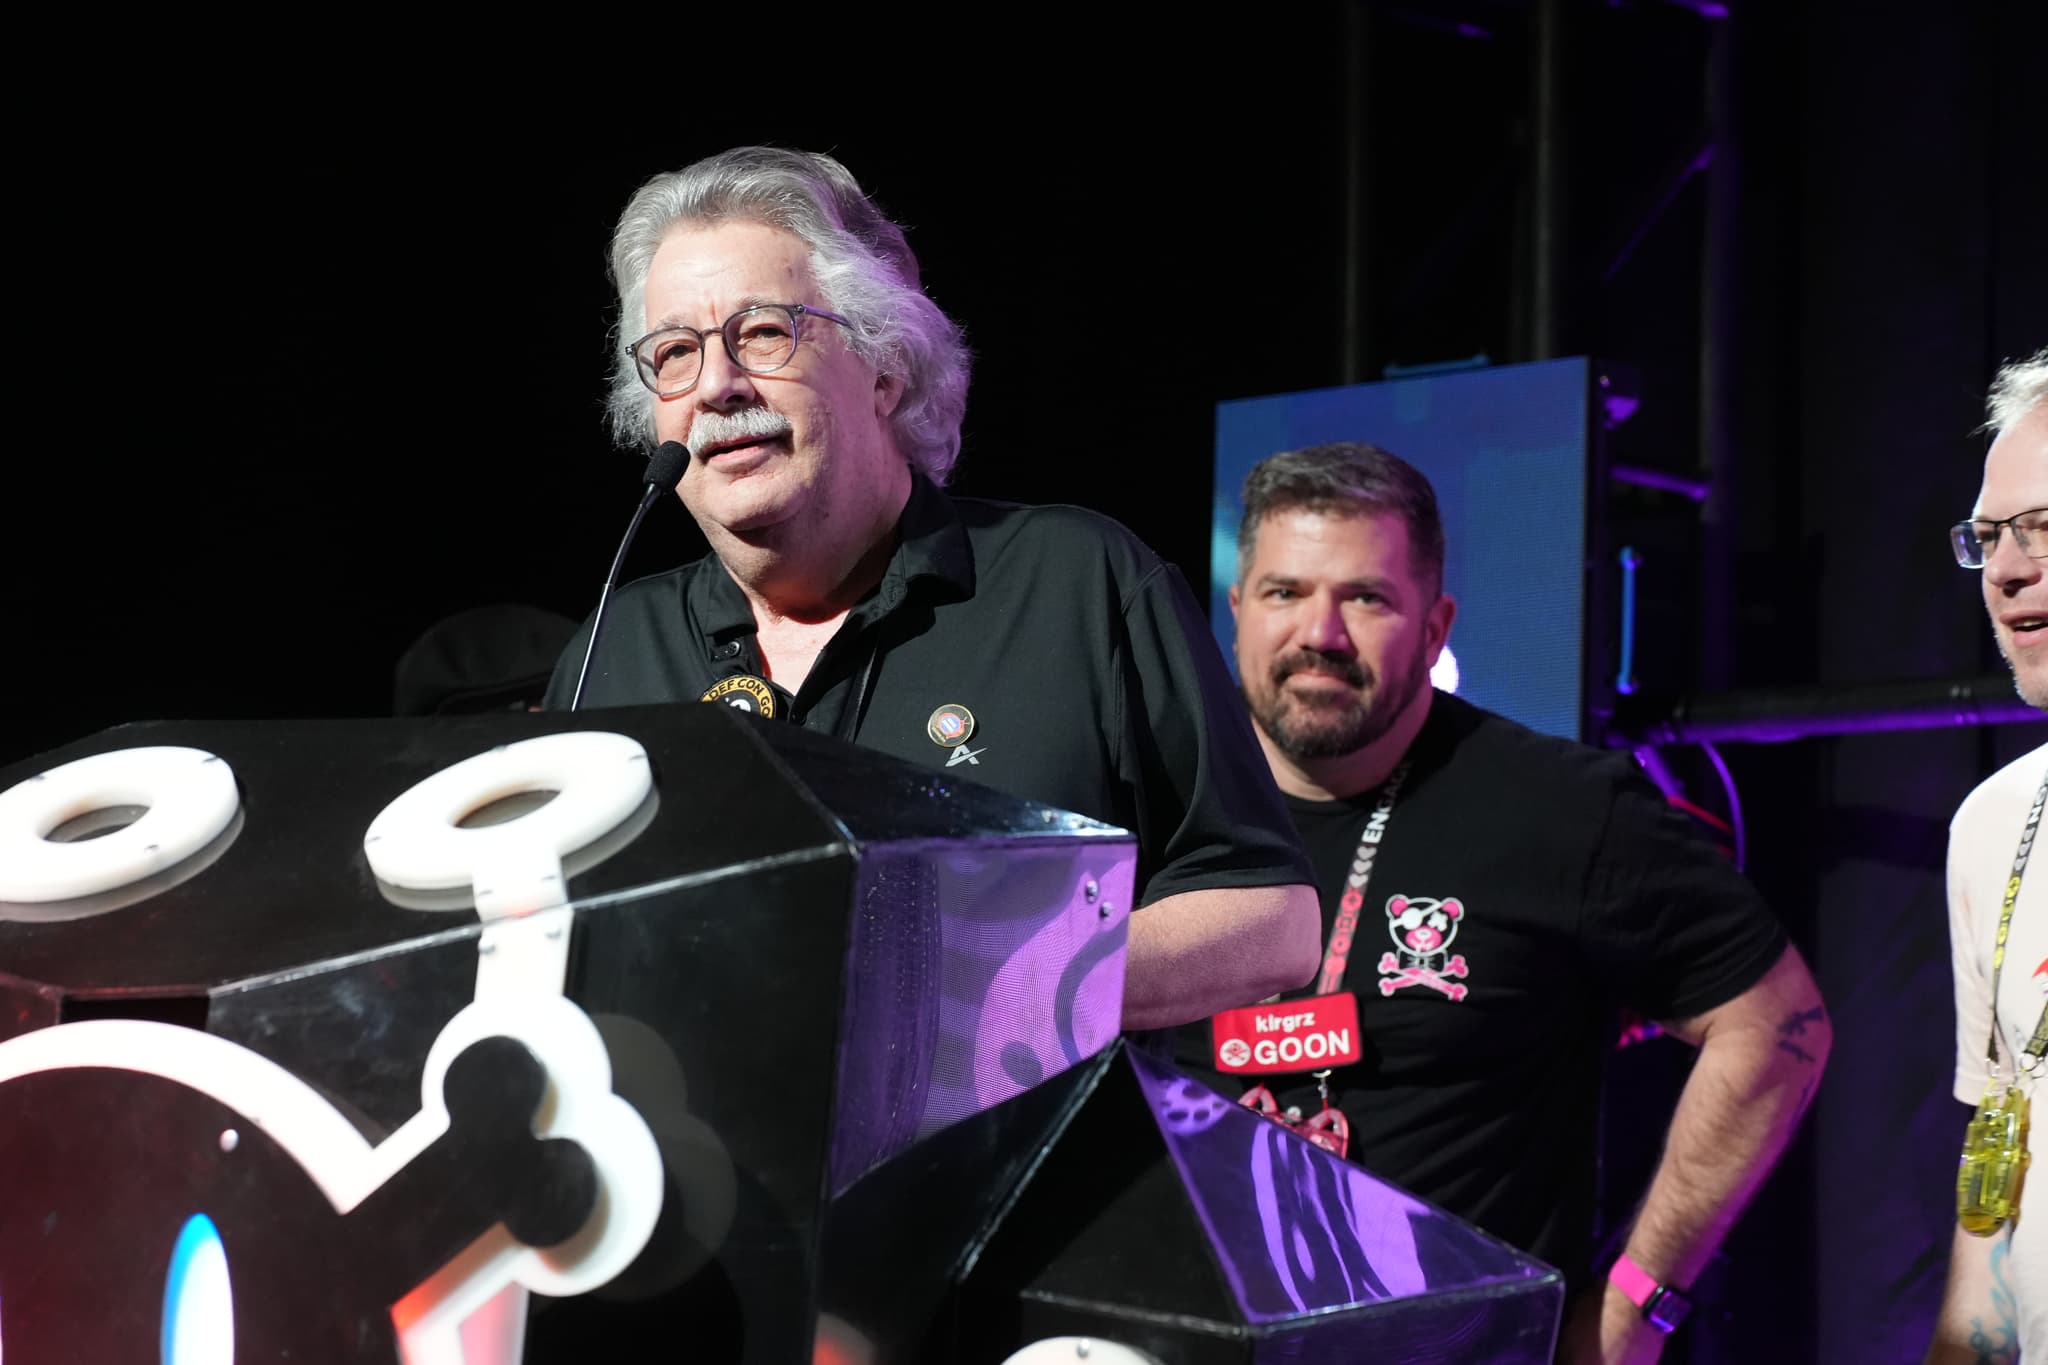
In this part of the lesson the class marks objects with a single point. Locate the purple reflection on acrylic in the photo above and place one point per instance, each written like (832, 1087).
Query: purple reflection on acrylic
(1284, 1179)
(1298, 1230)
(976, 971)
(1057, 999)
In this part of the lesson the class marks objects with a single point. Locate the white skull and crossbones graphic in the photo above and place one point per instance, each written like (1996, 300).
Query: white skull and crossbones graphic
(1422, 928)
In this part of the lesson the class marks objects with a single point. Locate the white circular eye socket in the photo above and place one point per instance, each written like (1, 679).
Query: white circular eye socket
(199, 1299)
(599, 779)
(188, 796)
(1078, 1351)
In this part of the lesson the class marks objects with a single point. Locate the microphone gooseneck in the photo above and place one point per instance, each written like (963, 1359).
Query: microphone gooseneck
(664, 471)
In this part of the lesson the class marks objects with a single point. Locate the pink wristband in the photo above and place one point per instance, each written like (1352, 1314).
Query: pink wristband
(1632, 1280)
(1662, 1306)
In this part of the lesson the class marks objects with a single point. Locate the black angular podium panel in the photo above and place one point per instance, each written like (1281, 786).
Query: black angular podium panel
(854, 1020)
(1174, 1221)
(803, 959)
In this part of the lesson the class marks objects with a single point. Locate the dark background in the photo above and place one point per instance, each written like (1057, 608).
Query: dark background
(310, 347)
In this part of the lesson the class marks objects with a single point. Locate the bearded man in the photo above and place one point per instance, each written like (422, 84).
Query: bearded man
(1491, 897)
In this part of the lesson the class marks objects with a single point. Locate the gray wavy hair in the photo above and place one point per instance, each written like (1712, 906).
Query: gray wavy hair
(861, 260)
(2018, 389)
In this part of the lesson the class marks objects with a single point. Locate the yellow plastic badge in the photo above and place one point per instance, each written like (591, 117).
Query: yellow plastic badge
(744, 692)
(1994, 1161)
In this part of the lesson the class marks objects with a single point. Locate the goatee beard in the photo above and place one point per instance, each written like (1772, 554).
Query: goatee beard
(1304, 732)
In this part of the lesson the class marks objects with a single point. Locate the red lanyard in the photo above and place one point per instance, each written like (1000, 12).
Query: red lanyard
(1268, 1039)
(1338, 956)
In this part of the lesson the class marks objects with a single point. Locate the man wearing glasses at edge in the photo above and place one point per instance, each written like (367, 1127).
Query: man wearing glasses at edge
(773, 322)
(1996, 1305)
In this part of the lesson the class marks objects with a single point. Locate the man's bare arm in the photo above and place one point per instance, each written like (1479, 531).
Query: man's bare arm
(1979, 1320)
(1760, 1058)
(1203, 951)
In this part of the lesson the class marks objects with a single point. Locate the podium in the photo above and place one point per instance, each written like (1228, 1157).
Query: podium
(823, 1046)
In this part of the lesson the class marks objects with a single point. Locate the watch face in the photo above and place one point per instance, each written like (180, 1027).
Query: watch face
(1667, 1308)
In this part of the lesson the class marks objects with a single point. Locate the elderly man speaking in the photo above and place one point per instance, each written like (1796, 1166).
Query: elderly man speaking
(771, 320)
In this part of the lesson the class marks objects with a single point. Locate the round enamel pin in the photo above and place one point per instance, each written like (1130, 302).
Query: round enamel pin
(743, 692)
(951, 724)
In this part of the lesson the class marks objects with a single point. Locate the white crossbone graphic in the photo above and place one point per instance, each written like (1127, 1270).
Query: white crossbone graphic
(1422, 976)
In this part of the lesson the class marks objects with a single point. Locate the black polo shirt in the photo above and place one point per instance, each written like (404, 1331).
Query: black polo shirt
(1087, 666)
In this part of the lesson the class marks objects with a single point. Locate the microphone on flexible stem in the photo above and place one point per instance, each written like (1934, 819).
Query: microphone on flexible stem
(664, 471)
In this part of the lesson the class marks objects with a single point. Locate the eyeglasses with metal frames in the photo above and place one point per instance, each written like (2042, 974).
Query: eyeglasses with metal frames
(760, 340)
(1976, 541)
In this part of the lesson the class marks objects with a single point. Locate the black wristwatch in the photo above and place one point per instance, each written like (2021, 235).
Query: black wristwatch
(1663, 1306)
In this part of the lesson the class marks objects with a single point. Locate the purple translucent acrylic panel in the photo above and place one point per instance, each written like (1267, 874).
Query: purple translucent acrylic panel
(975, 971)
(1299, 1231)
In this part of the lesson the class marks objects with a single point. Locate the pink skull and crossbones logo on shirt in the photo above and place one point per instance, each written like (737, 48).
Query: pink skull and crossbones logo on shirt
(1423, 928)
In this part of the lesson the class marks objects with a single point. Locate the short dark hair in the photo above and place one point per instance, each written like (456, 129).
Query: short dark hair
(1345, 478)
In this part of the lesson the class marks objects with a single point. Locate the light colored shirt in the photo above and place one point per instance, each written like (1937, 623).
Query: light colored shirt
(1982, 840)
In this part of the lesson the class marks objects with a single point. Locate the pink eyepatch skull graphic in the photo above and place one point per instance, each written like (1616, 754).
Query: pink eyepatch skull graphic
(1423, 929)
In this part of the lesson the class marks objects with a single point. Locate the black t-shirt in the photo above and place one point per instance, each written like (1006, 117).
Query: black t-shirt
(1577, 889)
(1082, 657)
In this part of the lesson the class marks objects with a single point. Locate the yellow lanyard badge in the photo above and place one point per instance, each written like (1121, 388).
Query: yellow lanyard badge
(1994, 1161)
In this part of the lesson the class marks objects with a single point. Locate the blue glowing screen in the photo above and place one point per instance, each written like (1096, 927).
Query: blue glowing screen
(1507, 450)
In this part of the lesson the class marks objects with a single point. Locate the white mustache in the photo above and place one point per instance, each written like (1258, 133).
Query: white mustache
(723, 428)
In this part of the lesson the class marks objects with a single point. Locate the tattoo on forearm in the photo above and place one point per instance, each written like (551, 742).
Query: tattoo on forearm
(1998, 1345)
(1794, 1026)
